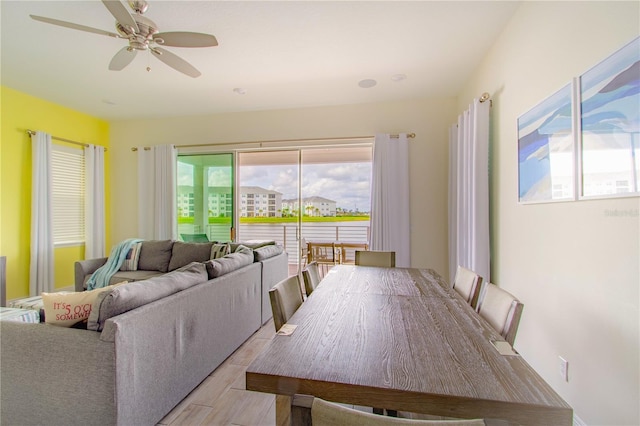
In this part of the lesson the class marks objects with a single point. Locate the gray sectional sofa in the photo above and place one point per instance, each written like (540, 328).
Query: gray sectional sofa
(155, 340)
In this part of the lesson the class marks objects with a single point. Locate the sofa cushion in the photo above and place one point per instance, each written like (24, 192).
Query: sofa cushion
(265, 252)
(155, 255)
(132, 276)
(229, 263)
(125, 298)
(129, 276)
(184, 253)
(130, 262)
(66, 308)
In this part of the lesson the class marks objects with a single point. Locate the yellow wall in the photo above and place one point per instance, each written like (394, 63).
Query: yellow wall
(20, 112)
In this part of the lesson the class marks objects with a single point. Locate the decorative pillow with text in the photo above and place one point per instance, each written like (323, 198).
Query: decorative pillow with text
(66, 308)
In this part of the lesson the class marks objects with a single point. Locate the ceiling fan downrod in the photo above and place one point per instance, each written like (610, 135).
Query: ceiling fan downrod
(139, 6)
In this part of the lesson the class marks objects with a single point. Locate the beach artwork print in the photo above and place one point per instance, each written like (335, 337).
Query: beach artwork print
(610, 116)
(546, 150)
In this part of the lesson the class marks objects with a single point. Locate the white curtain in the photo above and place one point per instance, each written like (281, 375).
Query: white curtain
(41, 267)
(157, 218)
(469, 236)
(94, 202)
(390, 226)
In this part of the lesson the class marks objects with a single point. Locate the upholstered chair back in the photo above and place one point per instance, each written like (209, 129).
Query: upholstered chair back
(286, 297)
(502, 310)
(376, 258)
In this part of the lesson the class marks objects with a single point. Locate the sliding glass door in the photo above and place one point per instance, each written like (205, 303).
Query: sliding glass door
(205, 195)
(292, 196)
(306, 195)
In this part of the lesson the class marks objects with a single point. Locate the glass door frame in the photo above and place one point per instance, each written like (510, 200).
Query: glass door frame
(201, 190)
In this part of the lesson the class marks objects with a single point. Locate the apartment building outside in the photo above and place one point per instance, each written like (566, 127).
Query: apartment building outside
(254, 202)
(311, 206)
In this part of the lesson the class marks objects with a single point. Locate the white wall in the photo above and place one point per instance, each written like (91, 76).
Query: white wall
(429, 119)
(575, 267)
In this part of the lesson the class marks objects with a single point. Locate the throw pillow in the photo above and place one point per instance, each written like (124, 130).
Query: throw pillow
(184, 253)
(219, 250)
(252, 244)
(229, 263)
(66, 308)
(155, 255)
(133, 256)
(243, 249)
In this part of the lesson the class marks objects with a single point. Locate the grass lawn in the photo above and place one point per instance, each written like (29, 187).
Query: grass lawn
(223, 220)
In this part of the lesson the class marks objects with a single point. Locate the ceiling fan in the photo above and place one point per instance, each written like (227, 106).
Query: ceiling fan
(142, 34)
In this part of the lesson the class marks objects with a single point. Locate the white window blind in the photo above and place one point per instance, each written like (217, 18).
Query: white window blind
(67, 177)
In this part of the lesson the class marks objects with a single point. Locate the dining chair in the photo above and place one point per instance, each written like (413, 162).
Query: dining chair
(311, 277)
(325, 254)
(286, 297)
(304, 251)
(376, 258)
(325, 413)
(467, 283)
(502, 310)
(348, 251)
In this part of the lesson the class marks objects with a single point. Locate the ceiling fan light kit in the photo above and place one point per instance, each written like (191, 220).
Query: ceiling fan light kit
(142, 34)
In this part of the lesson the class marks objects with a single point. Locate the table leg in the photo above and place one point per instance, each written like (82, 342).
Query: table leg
(283, 410)
(301, 410)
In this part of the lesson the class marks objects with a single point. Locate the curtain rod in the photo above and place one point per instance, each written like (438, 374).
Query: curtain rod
(31, 133)
(346, 138)
(485, 97)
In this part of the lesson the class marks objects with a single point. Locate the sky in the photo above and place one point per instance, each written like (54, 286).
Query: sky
(346, 183)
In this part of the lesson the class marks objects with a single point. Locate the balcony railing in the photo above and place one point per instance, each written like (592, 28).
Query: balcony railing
(285, 234)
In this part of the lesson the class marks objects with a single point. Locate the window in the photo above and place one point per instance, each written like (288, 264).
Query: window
(67, 186)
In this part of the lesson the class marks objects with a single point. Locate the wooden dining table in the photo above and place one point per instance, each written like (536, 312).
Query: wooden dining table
(402, 339)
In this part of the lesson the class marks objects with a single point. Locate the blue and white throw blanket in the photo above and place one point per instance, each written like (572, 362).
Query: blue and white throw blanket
(100, 278)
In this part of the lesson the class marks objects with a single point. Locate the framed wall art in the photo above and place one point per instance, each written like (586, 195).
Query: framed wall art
(609, 150)
(546, 169)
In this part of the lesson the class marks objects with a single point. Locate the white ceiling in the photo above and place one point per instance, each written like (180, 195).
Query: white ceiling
(284, 54)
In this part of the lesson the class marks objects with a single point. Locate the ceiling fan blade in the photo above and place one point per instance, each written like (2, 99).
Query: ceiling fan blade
(74, 26)
(122, 58)
(185, 39)
(176, 62)
(120, 12)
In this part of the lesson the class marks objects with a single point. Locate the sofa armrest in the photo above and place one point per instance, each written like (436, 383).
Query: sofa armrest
(84, 268)
(55, 375)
